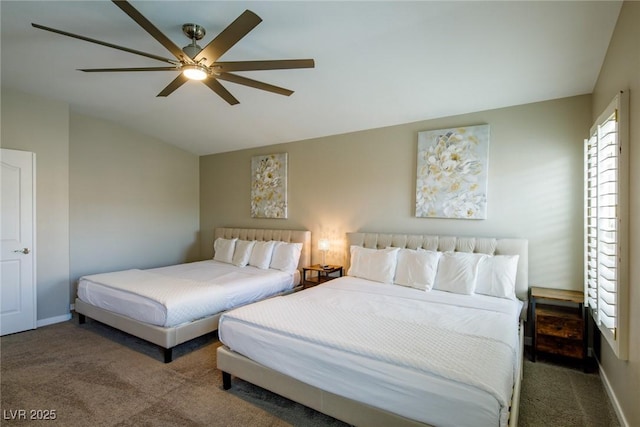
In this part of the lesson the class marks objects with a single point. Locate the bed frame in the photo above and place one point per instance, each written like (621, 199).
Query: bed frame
(349, 410)
(167, 338)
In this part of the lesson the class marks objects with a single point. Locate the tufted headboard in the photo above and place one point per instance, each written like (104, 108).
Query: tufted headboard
(484, 245)
(261, 234)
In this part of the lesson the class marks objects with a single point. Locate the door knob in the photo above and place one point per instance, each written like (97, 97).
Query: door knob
(24, 251)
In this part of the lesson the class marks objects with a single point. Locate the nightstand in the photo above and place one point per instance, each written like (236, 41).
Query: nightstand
(559, 325)
(323, 274)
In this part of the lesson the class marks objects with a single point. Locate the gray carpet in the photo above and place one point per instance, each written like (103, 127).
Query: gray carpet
(93, 375)
(556, 395)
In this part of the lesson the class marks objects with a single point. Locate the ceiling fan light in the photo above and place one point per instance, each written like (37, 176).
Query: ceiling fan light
(194, 72)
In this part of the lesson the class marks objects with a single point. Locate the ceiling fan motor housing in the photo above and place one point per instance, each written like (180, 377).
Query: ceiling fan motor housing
(193, 31)
(192, 50)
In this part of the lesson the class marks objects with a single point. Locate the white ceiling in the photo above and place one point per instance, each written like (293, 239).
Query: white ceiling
(377, 63)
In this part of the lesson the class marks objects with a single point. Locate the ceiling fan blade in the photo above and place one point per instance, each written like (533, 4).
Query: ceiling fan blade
(108, 70)
(175, 84)
(254, 83)
(153, 30)
(280, 64)
(113, 46)
(228, 37)
(215, 86)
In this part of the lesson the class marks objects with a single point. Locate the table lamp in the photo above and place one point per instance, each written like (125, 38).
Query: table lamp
(323, 246)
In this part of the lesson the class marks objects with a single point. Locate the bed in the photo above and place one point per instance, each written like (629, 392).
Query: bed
(371, 353)
(147, 304)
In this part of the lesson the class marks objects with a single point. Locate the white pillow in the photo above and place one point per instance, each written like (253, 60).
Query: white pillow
(261, 254)
(417, 269)
(223, 249)
(378, 265)
(243, 252)
(286, 256)
(457, 272)
(497, 276)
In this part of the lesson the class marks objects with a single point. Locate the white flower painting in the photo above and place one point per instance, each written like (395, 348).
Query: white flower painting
(269, 186)
(452, 173)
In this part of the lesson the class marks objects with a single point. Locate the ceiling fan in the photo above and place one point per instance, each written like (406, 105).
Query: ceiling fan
(196, 63)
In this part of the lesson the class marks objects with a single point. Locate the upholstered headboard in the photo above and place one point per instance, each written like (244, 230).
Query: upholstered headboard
(261, 234)
(484, 245)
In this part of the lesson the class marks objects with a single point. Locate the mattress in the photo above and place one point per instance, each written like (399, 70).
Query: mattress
(436, 357)
(170, 296)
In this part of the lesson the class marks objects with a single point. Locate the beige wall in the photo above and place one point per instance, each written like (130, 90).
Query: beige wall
(41, 126)
(621, 71)
(107, 198)
(134, 200)
(366, 181)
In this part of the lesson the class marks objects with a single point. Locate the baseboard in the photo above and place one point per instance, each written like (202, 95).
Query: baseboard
(51, 320)
(612, 397)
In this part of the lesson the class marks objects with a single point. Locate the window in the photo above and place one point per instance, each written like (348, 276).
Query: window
(606, 223)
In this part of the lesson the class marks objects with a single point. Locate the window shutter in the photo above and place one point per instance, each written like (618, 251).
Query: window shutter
(606, 219)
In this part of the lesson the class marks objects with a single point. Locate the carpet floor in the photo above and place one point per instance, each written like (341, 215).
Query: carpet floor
(94, 375)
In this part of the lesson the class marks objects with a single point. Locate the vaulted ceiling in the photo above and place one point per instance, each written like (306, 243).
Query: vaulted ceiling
(377, 63)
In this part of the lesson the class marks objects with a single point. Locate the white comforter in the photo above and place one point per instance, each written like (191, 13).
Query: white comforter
(169, 296)
(469, 340)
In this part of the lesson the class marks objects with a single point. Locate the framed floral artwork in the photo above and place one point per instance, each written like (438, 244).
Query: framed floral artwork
(452, 173)
(269, 186)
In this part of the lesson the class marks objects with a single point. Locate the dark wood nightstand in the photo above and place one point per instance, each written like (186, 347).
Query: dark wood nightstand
(322, 274)
(559, 325)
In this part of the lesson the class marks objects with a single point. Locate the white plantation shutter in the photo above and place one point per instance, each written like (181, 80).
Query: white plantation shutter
(606, 224)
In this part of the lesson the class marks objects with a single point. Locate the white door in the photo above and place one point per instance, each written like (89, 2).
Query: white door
(17, 265)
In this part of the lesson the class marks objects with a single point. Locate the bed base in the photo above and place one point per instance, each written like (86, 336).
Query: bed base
(166, 338)
(168, 352)
(342, 408)
(347, 410)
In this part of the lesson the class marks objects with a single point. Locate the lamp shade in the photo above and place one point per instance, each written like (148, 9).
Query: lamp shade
(323, 244)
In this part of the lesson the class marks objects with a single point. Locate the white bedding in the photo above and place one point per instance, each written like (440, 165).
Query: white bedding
(440, 358)
(169, 296)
